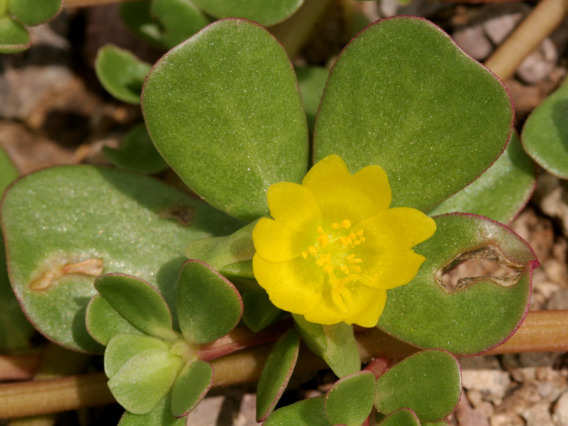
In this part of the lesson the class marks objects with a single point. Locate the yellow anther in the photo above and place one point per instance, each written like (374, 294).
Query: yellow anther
(345, 223)
(320, 229)
(323, 239)
(328, 269)
(335, 225)
(357, 269)
(305, 254)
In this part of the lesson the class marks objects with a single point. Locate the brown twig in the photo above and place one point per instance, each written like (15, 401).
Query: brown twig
(538, 25)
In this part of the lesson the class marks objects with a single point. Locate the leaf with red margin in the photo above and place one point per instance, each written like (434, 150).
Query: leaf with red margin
(484, 311)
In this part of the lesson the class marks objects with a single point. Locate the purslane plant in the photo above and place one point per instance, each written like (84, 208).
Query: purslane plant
(223, 110)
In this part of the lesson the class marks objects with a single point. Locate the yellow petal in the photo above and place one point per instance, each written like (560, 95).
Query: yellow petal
(341, 195)
(391, 269)
(294, 206)
(277, 243)
(374, 182)
(294, 286)
(370, 314)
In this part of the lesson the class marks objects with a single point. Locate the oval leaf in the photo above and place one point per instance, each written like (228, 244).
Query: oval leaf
(265, 12)
(483, 311)
(31, 13)
(123, 347)
(545, 133)
(192, 384)
(161, 415)
(334, 343)
(350, 400)
(64, 226)
(138, 302)
(501, 191)
(178, 19)
(121, 73)
(209, 306)
(258, 310)
(276, 373)
(103, 322)
(402, 95)
(226, 102)
(309, 412)
(145, 380)
(429, 383)
(14, 37)
(402, 417)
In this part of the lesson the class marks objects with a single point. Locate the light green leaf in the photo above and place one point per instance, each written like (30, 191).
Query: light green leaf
(334, 343)
(138, 302)
(103, 322)
(192, 384)
(309, 412)
(265, 12)
(31, 13)
(276, 373)
(483, 311)
(209, 306)
(160, 415)
(402, 95)
(429, 383)
(121, 73)
(402, 417)
(350, 400)
(64, 226)
(14, 36)
(179, 20)
(231, 91)
(501, 191)
(145, 380)
(545, 133)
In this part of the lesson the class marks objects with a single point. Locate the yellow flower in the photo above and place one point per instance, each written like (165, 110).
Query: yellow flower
(333, 247)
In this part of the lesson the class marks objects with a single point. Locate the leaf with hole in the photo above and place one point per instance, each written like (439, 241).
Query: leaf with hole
(415, 107)
(501, 191)
(276, 373)
(209, 306)
(14, 37)
(334, 343)
(192, 384)
(481, 311)
(65, 226)
(29, 12)
(138, 302)
(350, 401)
(121, 73)
(232, 92)
(402, 417)
(428, 383)
(309, 412)
(545, 133)
(265, 12)
(103, 322)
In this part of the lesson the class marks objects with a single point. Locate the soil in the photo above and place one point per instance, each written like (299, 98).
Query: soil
(53, 112)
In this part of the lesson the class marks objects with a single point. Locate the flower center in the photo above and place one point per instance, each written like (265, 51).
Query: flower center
(334, 252)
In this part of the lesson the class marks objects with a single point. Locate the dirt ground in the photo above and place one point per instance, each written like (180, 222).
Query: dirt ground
(53, 111)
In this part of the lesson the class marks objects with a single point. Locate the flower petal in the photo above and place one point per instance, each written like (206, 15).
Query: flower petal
(341, 195)
(277, 243)
(374, 182)
(370, 314)
(294, 286)
(294, 206)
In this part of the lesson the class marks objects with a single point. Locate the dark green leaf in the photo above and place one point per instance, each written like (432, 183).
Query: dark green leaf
(14, 36)
(8, 171)
(265, 12)
(231, 91)
(190, 387)
(258, 311)
(309, 412)
(103, 322)
(402, 95)
(350, 400)
(31, 13)
(311, 81)
(428, 383)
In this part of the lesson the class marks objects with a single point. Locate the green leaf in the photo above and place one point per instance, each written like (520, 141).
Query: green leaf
(311, 81)
(350, 400)
(14, 37)
(265, 12)
(258, 311)
(138, 302)
(103, 322)
(402, 95)
(124, 347)
(193, 382)
(31, 13)
(222, 251)
(402, 417)
(276, 373)
(121, 73)
(136, 153)
(64, 226)
(483, 311)
(160, 415)
(545, 133)
(334, 343)
(231, 91)
(501, 191)
(238, 270)
(309, 412)
(209, 306)
(8, 172)
(429, 383)
(145, 380)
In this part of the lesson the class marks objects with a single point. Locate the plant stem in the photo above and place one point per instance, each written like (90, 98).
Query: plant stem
(18, 367)
(538, 25)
